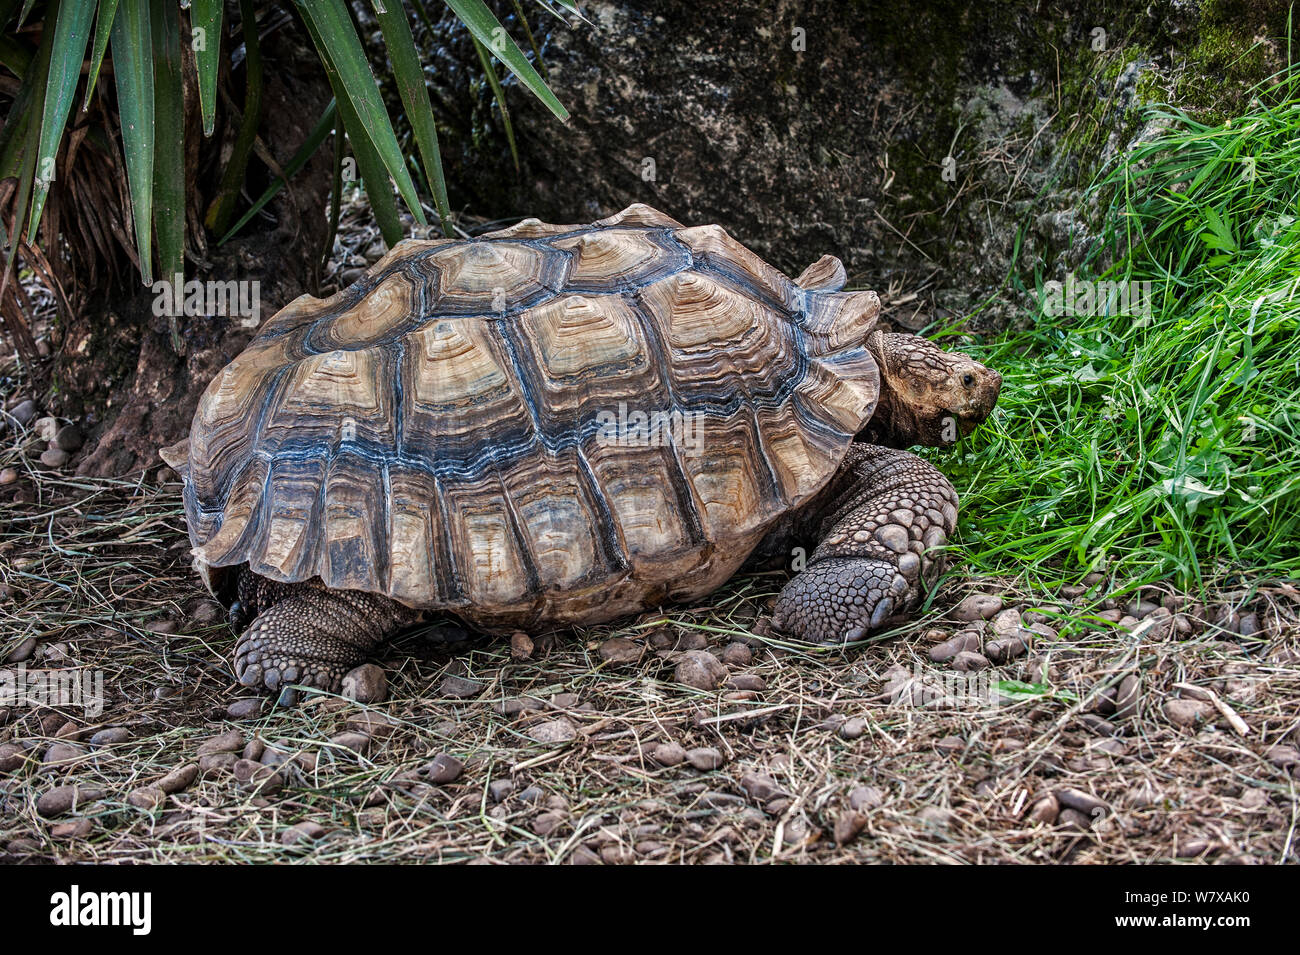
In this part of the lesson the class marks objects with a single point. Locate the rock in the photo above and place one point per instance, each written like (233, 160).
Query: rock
(302, 832)
(214, 763)
(22, 652)
(69, 438)
(72, 830)
(499, 789)
(853, 728)
(554, 731)
(244, 709)
(737, 655)
(11, 757)
(231, 741)
(358, 743)
(54, 458)
(1188, 712)
(977, 607)
(668, 754)
(968, 661)
(180, 778)
(59, 755)
(700, 670)
(1128, 697)
(1089, 805)
(619, 651)
(863, 798)
(8, 476)
(24, 413)
(967, 640)
(64, 799)
(369, 684)
(459, 688)
(704, 758)
(521, 646)
(1045, 810)
(110, 736)
(146, 797)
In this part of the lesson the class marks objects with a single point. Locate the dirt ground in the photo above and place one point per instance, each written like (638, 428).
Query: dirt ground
(1112, 737)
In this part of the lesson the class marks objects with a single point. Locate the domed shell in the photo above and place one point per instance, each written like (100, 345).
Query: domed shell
(544, 424)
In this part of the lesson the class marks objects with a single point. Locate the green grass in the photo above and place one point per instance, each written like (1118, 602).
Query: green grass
(1165, 447)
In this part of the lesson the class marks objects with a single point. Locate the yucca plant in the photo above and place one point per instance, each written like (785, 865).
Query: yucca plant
(56, 52)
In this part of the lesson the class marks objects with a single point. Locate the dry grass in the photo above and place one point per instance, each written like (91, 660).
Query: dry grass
(96, 570)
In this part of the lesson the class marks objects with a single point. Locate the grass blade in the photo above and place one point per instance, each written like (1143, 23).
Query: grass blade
(71, 33)
(169, 151)
(409, 77)
(205, 15)
(488, 31)
(357, 93)
(133, 71)
(103, 24)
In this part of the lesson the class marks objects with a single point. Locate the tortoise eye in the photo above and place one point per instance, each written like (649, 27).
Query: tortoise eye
(968, 379)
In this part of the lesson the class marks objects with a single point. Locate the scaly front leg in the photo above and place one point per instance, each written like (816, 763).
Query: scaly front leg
(881, 550)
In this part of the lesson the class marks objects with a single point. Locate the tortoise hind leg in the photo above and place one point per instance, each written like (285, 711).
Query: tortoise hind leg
(312, 636)
(881, 548)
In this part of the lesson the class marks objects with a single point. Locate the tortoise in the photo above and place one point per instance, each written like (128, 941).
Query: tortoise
(556, 425)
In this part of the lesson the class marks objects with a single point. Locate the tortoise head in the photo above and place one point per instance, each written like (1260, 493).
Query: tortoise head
(927, 395)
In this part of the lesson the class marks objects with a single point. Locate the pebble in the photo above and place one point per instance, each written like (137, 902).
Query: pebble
(499, 789)
(1187, 712)
(54, 458)
(619, 651)
(704, 758)
(60, 755)
(977, 607)
(69, 438)
(862, 798)
(442, 769)
(1045, 810)
(63, 799)
(24, 412)
(244, 709)
(22, 652)
(554, 731)
(853, 728)
(737, 655)
(521, 646)
(459, 688)
(302, 832)
(547, 823)
(180, 778)
(700, 670)
(110, 736)
(356, 742)
(146, 797)
(668, 754)
(369, 684)
(968, 660)
(967, 640)
(231, 741)
(1085, 803)
(11, 757)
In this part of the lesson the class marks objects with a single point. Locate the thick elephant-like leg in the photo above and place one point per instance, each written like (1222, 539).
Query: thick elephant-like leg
(882, 548)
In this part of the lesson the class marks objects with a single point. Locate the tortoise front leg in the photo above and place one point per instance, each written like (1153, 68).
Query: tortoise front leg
(881, 548)
(312, 636)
